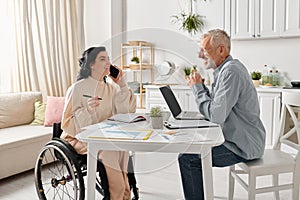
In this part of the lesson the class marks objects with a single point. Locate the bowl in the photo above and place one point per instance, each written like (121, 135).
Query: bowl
(295, 83)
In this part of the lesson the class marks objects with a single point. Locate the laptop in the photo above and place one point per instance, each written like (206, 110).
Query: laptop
(175, 108)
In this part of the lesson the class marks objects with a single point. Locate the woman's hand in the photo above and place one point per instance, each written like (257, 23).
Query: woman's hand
(93, 103)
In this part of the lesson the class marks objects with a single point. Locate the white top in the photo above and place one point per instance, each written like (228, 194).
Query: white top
(182, 141)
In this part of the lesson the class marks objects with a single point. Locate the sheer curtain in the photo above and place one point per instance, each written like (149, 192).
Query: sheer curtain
(49, 39)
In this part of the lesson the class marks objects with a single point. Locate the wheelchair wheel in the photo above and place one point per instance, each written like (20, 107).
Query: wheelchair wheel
(58, 176)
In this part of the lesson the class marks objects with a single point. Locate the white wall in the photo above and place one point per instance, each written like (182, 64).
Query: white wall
(103, 25)
(154, 13)
(151, 21)
(279, 53)
(97, 22)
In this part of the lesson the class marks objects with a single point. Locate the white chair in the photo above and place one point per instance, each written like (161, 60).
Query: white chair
(275, 161)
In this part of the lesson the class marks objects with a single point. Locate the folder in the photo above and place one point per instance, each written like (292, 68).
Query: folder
(184, 124)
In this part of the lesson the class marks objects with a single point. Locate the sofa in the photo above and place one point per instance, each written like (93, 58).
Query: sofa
(20, 139)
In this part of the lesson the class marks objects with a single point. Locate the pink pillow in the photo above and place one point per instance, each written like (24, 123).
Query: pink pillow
(54, 110)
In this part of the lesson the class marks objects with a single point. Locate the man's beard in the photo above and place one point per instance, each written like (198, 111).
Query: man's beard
(210, 64)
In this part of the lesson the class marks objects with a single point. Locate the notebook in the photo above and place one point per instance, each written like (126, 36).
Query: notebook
(128, 117)
(175, 108)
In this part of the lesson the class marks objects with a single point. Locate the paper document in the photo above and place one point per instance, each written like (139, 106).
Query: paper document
(115, 131)
(183, 136)
(181, 124)
(188, 137)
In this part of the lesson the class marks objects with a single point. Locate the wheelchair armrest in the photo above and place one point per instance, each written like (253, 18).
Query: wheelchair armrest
(57, 131)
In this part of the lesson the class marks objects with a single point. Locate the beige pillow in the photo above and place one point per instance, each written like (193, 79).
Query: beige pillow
(17, 108)
(39, 113)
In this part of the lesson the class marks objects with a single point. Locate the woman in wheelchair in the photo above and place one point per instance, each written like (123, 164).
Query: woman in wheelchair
(104, 101)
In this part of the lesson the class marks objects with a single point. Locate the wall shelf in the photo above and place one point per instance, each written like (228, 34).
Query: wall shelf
(138, 49)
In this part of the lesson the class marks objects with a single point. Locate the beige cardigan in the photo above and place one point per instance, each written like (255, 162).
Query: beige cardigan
(76, 115)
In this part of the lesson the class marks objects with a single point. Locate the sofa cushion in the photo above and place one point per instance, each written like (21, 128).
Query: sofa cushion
(39, 113)
(13, 137)
(20, 146)
(54, 110)
(17, 108)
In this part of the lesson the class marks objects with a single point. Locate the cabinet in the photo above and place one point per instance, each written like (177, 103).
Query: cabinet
(186, 99)
(264, 19)
(270, 104)
(144, 52)
(184, 96)
(291, 18)
(254, 19)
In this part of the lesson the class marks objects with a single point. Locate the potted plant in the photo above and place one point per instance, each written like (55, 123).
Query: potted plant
(256, 76)
(194, 69)
(190, 22)
(156, 117)
(187, 71)
(135, 60)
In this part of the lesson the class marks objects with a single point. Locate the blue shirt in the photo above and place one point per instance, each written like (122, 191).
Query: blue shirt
(233, 103)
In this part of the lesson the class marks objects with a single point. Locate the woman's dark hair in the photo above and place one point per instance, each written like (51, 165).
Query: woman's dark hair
(88, 57)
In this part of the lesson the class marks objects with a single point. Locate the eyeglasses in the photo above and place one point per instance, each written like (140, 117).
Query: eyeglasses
(204, 52)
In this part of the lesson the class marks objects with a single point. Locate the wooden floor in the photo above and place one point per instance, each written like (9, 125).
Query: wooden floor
(158, 179)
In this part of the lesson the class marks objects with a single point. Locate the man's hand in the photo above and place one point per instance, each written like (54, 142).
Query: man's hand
(194, 78)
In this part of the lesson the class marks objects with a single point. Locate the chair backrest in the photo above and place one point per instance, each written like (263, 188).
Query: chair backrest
(290, 133)
(57, 131)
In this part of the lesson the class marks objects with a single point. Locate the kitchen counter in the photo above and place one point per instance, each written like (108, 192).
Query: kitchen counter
(275, 89)
(259, 89)
(175, 86)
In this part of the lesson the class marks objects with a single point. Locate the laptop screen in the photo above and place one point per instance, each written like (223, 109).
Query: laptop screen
(171, 100)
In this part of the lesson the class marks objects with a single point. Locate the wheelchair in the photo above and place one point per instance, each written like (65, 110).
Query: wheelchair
(59, 172)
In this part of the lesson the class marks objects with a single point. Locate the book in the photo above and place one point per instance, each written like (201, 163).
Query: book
(128, 117)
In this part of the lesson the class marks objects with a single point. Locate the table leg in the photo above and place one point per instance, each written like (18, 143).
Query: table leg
(91, 172)
(207, 176)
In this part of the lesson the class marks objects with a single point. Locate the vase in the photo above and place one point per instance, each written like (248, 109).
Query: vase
(256, 83)
(157, 122)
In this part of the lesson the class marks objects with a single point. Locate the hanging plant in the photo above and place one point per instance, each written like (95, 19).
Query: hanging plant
(190, 22)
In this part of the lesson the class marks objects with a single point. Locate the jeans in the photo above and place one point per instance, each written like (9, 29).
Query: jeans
(191, 170)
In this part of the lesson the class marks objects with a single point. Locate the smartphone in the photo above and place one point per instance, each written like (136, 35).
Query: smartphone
(114, 72)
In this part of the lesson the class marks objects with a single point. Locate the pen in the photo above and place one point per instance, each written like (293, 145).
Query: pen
(164, 137)
(89, 96)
